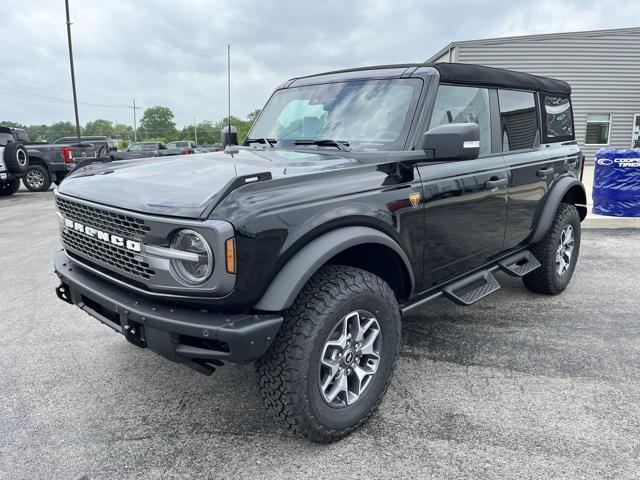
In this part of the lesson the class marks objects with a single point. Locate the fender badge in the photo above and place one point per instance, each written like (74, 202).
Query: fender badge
(415, 199)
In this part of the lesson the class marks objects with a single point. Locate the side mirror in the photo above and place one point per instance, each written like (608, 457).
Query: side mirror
(453, 141)
(229, 136)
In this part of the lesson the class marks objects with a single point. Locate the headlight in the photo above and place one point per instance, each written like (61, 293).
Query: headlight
(196, 264)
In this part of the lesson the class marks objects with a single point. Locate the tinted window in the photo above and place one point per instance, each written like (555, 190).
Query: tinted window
(558, 118)
(464, 105)
(518, 120)
(22, 135)
(5, 138)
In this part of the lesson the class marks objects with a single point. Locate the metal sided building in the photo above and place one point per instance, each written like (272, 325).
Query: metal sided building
(602, 67)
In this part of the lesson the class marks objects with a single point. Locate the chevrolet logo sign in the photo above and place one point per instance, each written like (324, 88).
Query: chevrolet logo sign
(104, 236)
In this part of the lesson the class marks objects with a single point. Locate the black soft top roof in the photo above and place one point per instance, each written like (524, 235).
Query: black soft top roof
(469, 74)
(498, 77)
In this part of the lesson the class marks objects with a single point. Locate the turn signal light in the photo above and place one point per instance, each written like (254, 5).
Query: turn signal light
(230, 250)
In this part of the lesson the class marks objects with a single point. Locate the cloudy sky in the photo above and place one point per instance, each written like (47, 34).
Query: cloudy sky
(173, 53)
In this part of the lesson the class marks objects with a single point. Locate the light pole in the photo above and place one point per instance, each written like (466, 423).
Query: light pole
(73, 75)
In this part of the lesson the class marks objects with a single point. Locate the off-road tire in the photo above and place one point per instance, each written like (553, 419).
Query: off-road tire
(37, 179)
(546, 279)
(289, 371)
(16, 157)
(9, 187)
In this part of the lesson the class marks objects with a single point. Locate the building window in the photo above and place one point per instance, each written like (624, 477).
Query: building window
(464, 105)
(558, 118)
(518, 120)
(598, 128)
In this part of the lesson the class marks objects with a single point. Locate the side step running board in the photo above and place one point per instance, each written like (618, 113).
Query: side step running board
(478, 285)
(487, 285)
(520, 264)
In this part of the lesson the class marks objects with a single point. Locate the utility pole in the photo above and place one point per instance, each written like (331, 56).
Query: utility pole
(195, 130)
(73, 75)
(135, 127)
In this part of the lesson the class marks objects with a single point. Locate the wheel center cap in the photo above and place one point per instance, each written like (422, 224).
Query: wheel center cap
(349, 357)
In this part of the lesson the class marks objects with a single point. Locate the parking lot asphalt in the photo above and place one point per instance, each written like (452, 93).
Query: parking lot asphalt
(517, 386)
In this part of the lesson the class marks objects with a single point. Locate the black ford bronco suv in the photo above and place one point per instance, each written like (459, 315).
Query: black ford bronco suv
(359, 196)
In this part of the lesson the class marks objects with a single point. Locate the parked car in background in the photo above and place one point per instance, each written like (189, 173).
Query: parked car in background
(14, 162)
(48, 162)
(187, 146)
(208, 147)
(139, 150)
(149, 149)
(103, 145)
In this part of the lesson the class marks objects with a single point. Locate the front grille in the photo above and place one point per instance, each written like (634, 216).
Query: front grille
(115, 223)
(118, 258)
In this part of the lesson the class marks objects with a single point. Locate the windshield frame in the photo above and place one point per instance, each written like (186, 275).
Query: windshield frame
(399, 144)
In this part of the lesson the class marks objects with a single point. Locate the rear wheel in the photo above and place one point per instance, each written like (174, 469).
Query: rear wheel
(9, 187)
(557, 253)
(332, 360)
(37, 179)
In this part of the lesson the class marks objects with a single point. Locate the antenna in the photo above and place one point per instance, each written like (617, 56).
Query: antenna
(229, 85)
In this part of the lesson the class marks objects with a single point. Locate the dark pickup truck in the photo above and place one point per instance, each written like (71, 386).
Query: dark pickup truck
(360, 196)
(47, 163)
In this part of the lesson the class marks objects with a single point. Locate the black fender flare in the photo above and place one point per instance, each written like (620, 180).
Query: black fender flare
(555, 196)
(286, 285)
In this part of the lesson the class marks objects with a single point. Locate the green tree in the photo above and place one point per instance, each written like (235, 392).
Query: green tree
(61, 129)
(253, 115)
(99, 127)
(158, 122)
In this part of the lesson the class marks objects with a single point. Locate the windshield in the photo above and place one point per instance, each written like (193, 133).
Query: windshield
(371, 114)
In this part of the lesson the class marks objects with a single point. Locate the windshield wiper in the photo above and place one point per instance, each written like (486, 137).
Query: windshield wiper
(325, 142)
(267, 141)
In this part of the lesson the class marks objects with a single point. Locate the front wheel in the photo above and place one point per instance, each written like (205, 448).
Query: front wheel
(37, 179)
(331, 363)
(557, 253)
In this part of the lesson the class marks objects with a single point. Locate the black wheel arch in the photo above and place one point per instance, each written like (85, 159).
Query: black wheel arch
(566, 190)
(358, 246)
(35, 159)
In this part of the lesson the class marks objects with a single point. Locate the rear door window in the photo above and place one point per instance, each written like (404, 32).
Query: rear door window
(558, 118)
(518, 120)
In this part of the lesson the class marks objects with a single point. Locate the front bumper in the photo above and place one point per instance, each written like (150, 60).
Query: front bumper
(197, 337)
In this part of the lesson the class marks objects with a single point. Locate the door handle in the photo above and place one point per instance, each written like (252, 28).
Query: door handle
(542, 173)
(495, 183)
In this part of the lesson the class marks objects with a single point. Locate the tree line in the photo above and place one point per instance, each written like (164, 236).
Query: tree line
(157, 124)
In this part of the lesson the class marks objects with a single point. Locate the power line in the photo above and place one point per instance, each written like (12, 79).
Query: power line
(58, 99)
(48, 85)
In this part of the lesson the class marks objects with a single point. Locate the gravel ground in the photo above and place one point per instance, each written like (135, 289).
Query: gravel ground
(517, 386)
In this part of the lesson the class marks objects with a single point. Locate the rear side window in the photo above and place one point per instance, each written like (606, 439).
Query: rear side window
(464, 105)
(518, 120)
(22, 136)
(558, 118)
(5, 138)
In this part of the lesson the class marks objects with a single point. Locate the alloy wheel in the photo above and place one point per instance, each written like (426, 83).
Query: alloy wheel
(35, 179)
(350, 358)
(565, 250)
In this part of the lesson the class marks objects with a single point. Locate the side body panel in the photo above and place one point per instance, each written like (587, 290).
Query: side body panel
(532, 174)
(464, 216)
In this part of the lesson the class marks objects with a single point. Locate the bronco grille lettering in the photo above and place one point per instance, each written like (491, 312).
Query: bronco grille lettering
(104, 236)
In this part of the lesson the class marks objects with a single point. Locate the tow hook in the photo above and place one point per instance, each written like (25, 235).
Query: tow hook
(62, 291)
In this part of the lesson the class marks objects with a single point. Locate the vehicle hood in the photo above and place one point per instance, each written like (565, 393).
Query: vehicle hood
(185, 185)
